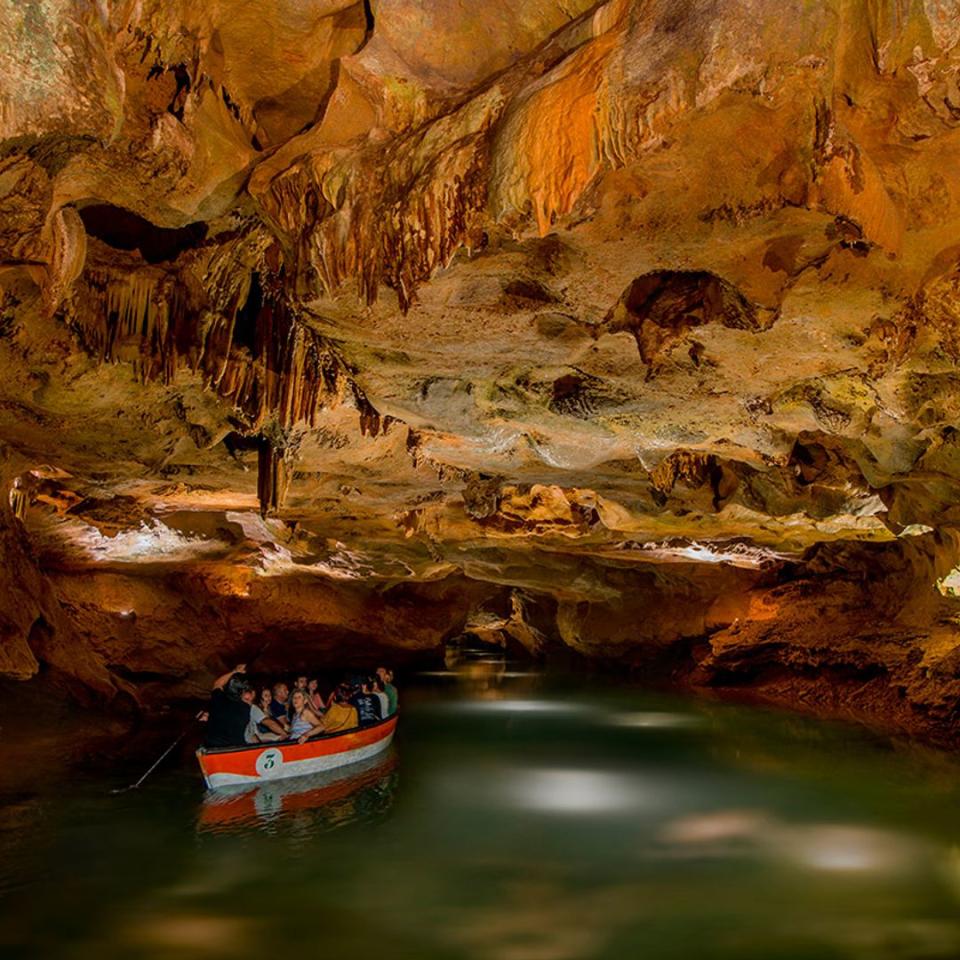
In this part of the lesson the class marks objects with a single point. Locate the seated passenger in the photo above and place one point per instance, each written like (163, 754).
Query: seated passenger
(386, 677)
(340, 716)
(265, 703)
(229, 714)
(304, 723)
(313, 695)
(265, 734)
(300, 683)
(280, 707)
(260, 727)
(376, 687)
(367, 705)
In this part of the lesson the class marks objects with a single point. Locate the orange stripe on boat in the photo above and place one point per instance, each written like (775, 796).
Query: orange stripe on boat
(242, 761)
(243, 807)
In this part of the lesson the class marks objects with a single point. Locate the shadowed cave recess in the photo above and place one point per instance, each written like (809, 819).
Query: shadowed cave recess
(609, 338)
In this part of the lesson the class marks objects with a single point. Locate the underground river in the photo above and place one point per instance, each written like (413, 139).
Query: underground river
(519, 816)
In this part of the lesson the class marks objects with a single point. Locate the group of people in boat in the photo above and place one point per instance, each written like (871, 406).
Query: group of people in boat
(239, 715)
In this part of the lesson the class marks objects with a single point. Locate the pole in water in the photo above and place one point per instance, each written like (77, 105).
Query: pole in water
(156, 763)
(201, 715)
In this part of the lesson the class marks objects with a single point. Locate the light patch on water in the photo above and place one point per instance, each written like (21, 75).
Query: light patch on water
(827, 848)
(653, 719)
(575, 792)
(197, 934)
(458, 674)
(552, 707)
(847, 849)
(717, 827)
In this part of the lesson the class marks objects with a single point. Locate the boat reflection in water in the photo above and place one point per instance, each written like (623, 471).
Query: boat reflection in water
(361, 791)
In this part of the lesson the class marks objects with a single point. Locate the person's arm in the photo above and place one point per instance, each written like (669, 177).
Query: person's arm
(317, 725)
(221, 682)
(280, 720)
(272, 724)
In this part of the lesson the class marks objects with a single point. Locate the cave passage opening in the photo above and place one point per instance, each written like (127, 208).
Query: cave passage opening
(123, 229)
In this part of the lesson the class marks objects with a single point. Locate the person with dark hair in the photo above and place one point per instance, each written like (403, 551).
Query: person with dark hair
(257, 729)
(376, 687)
(386, 678)
(315, 697)
(280, 705)
(265, 703)
(229, 714)
(341, 715)
(366, 703)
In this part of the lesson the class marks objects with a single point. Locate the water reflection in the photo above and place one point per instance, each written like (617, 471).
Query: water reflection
(556, 708)
(654, 720)
(576, 792)
(828, 847)
(332, 798)
(534, 820)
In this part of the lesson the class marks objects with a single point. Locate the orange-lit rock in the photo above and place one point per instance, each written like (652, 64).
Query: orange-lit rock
(332, 327)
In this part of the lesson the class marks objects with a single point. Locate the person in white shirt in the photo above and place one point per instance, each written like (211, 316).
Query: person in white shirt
(376, 685)
(252, 734)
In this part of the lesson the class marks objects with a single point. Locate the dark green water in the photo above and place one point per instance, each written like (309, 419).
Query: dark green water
(522, 818)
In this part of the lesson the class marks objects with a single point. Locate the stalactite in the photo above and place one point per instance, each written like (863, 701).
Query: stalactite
(18, 500)
(286, 373)
(394, 219)
(273, 476)
(69, 242)
(127, 316)
(371, 421)
(428, 225)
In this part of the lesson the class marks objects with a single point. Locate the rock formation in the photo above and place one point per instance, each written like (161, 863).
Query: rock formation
(630, 327)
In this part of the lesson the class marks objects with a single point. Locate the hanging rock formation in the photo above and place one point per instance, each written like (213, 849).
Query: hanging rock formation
(631, 328)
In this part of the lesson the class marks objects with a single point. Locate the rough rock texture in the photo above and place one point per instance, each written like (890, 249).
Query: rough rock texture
(630, 327)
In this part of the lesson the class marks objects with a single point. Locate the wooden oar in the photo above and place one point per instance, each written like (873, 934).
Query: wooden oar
(160, 759)
(202, 714)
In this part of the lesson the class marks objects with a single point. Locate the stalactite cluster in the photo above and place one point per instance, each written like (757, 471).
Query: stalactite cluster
(277, 368)
(394, 218)
(251, 346)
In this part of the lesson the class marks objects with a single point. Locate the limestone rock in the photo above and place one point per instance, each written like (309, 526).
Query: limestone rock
(339, 322)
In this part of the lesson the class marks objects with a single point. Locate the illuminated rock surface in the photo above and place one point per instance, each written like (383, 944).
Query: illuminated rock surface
(632, 328)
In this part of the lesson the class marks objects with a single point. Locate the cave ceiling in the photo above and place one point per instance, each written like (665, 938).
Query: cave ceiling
(313, 301)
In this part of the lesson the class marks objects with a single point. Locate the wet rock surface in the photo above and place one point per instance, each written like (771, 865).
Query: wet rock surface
(334, 329)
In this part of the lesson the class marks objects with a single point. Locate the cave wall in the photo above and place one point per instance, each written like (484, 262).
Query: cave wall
(627, 328)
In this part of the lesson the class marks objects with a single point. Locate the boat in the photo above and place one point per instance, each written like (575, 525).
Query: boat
(229, 808)
(259, 762)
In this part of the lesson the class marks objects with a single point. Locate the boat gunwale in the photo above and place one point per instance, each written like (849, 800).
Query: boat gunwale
(317, 738)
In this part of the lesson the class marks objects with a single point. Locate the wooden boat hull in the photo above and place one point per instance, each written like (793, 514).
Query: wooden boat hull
(260, 762)
(231, 807)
